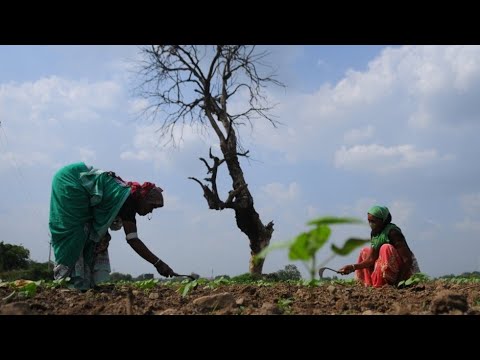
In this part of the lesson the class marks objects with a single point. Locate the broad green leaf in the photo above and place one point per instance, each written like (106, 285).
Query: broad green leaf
(421, 276)
(186, 289)
(350, 245)
(411, 281)
(307, 244)
(318, 238)
(29, 290)
(298, 249)
(281, 245)
(331, 220)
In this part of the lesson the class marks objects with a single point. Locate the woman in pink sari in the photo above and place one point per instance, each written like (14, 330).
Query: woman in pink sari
(388, 260)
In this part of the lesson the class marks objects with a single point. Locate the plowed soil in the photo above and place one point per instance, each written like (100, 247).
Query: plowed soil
(432, 297)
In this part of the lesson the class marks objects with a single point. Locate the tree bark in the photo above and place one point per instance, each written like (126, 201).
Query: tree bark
(247, 218)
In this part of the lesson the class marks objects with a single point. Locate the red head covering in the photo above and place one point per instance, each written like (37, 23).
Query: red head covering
(140, 191)
(143, 191)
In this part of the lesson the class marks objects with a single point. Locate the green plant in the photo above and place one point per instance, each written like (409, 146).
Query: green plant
(59, 283)
(146, 284)
(305, 246)
(285, 305)
(22, 289)
(413, 280)
(290, 272)
(29, 290)
(186, 286)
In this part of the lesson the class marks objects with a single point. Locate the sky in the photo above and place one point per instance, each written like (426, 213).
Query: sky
(360, 125)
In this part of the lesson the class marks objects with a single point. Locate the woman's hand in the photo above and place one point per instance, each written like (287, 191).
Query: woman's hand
(102, 245)
(163, 269)
(347, 269)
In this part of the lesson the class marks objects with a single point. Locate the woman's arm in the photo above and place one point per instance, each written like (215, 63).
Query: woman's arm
(142, 250)
(370, 261)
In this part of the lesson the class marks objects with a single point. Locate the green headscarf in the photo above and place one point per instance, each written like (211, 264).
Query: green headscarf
(380, 212)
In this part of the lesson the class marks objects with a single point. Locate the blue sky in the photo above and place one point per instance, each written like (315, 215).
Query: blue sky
(361, 125)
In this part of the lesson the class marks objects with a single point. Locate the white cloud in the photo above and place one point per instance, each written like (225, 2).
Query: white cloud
(160, 159)
(359, 208)
(381, 159)
(86, 155)
(420, 119)
(44, 118)
(357, 135)
(10, 160)
(401, 211)
(149, 145)
(280, 193)
(44, 93)
(137, 105)
(465, 65)
(421, 87)
(364, 88)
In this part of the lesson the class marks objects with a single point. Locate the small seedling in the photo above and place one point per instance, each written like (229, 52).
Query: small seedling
(285, 305)
(413, 280)
(146, 284)
(187, 286)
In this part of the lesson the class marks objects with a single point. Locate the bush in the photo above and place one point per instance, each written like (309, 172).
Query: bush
(35, 271)
(13, 257)
(290, 272)
(116, 276)
(221, 276)
(144, 277)
(245, 278)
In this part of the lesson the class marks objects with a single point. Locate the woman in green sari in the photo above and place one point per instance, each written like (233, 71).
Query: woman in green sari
(84, 203)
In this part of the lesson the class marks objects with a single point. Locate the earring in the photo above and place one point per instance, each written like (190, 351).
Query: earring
(149, 216)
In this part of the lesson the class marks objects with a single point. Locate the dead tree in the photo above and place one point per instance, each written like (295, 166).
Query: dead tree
(195, 85)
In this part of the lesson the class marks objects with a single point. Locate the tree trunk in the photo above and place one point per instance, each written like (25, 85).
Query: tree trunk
(248, 220)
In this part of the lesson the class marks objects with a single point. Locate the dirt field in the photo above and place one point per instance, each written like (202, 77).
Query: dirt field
(433, 297)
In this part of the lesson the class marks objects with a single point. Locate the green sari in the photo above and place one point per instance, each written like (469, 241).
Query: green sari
(84, 202)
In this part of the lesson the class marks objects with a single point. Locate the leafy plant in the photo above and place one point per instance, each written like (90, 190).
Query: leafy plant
(413, 280)
(29, 290)
(23, 289)
(285, 305)
(305, 246)
(187, 286)
(60, 283)
(146, 284)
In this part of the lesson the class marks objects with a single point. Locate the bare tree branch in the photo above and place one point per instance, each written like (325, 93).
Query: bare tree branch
(188, 85)
(244, 153)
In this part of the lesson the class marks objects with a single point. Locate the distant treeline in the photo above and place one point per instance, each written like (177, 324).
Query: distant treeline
(473, 274)
(15, 263)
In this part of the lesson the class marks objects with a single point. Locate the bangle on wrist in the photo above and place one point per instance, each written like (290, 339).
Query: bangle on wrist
(156, 262)
(353, 267)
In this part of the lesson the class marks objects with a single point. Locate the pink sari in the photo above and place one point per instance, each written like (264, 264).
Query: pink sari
(386, 268)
